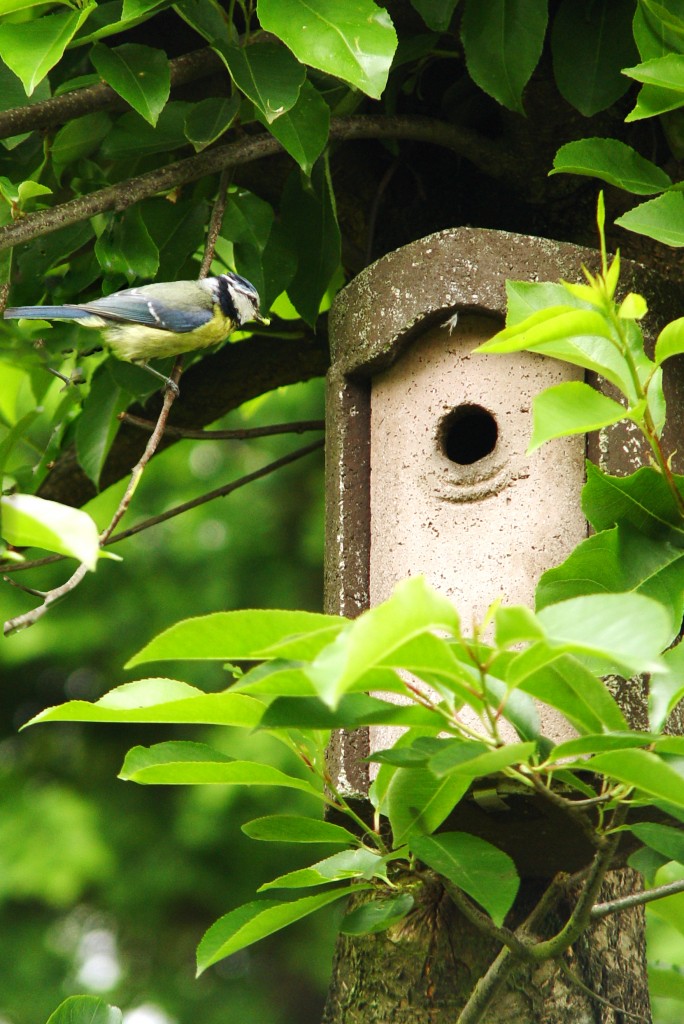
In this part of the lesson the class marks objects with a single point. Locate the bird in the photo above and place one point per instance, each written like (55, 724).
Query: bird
(160, 319)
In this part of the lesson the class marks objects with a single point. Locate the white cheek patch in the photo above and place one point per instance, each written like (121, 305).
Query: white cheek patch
(245, 306)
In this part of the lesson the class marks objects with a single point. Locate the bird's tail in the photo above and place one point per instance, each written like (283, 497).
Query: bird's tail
(45, 313)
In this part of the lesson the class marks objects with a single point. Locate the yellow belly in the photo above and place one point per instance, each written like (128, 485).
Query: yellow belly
(138, 343)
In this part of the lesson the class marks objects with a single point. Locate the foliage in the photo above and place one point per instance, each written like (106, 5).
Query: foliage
(112, 182)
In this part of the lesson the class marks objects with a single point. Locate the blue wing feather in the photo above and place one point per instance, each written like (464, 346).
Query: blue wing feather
(127, 307)
(124, 307)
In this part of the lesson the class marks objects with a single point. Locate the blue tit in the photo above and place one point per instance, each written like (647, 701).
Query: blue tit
(159, 320)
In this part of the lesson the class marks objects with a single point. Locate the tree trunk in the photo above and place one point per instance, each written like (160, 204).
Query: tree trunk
(423, 970)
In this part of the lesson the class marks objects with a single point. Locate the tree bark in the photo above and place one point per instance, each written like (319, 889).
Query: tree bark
(424, 970)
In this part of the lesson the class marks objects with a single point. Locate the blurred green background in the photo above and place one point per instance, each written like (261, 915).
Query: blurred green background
(107, 887)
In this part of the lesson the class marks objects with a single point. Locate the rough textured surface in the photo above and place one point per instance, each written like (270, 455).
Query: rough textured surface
(423, 969)
(477, 531)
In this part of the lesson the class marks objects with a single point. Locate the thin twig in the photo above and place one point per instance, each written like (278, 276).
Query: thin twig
(32, 616)
(216, 220)
(576, 815)
(219, 492)
(635, 899)
(574, 980)
(481, 151)
(150, 448)
(238, 434)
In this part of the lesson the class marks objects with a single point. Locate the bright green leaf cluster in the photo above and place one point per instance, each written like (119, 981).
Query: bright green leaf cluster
(309, 678)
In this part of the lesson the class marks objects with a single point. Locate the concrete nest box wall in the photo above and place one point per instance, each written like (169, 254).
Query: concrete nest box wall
(427, 466)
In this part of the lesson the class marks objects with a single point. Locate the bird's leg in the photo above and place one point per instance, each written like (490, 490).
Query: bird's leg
(170, 384)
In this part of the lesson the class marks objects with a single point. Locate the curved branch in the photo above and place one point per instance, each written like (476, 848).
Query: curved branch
(467, 143)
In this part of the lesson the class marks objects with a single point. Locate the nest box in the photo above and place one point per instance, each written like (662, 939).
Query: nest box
(426, 462)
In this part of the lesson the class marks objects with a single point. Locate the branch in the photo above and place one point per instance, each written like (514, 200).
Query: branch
(635, 899)
(490, 984)
(219, 492)
(238, 434)
(464, 141)
(49, 598)
(59, 109)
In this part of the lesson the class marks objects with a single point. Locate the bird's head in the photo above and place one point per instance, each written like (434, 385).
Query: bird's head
(237, 297)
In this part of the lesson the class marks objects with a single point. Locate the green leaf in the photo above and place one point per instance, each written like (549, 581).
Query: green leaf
(436, 14)
(291, 828)
(354, 41)
(206, 17)
(254, 921)
(662, 838)
(247, 222)
(303, 130)
(368, 641)
(661, 218)
(615, 562)
(139, 74)
(32, 48)
(249, 635)
(457, 758)
(287, 679)
(85, 1010)
(132, 138)
(209, 119)
(359, 863)
(177, 230)
(159, 700)
(612, 161)
(376, 916)
(642, 769)
(475, 866)
(670, 341)
(591, 40)
(308, 215)
(660, 39)
(627, 631)
(666, 72)
(77, 139)
(126, 247)
(417, 802)
(353, 711)
(571, 408)
(565, 684)
(579, 336)
(523, 298)
(600, 742)
(503, 41)
(29, 521)
(191, 764)
(642, 500)
(666, 689)
(266, 73)
(98, 424)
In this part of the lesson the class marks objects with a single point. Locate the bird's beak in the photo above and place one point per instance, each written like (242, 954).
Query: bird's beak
(261, 319)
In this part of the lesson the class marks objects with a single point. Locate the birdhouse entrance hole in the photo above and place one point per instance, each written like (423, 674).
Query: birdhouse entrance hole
(467, 434)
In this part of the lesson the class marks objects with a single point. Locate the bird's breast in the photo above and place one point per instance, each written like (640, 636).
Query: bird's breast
(138, 342)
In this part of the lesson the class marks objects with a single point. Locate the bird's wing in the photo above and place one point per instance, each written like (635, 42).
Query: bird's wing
(129, 308)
